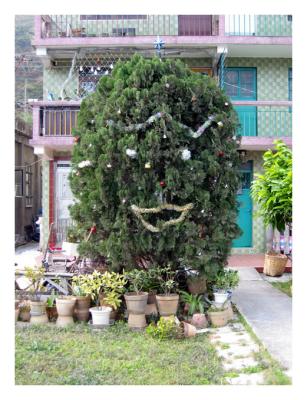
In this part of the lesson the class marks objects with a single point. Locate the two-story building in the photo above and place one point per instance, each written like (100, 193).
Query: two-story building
(249, 55)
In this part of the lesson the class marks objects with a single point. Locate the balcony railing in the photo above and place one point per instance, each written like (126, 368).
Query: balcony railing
(263, 120)
(54, 26)
(58, 121)
(258, 25)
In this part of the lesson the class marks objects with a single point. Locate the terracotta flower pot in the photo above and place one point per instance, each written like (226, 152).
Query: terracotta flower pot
(136, 303)
(199, 321)
(151, 298)
(167, 304)
(52, 313)
(188, 329)
(82, 307)
(197, 285)
(136, 306)
(218, 318)
(65, 307)
(24, 314)
(38, 312)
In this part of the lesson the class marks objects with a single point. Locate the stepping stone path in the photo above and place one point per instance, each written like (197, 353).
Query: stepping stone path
(237, 350)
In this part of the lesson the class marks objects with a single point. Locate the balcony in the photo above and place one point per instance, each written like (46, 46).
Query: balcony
(261, 122)
(86, 26)
(258, 25)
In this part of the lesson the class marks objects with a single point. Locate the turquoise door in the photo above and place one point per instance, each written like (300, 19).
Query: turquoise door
(245, 210)
(240, 84)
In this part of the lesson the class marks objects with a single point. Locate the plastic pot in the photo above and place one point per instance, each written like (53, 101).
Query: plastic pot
(101, 315)
(220, 297)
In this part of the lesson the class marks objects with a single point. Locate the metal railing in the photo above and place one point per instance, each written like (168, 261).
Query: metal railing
(265, 121)
(126, 25)
(258, 25)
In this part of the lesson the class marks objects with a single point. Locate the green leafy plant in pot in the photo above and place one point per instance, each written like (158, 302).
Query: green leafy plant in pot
(167, 299)
(51, 307)
(196, 309)
(113, 286)
(225, 281)
(272, 191)
(92, 285)
(136, 299)
(37, 307)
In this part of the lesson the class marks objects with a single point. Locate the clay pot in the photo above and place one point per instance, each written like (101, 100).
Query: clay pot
(52, 313)
(38, 312)
(188, 329)
(218, 318)
(167, 304)
(136, 303)
(65, 307)
(151, 298)
(229, 312)
(151, 309)
(197, 285)
(24, 314)
(82, 306)
(137, 321)
(199, 321)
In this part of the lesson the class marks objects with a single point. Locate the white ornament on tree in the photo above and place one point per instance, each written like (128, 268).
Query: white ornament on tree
(131, 153)
(148, 165)
(220, 124)
(185, 154)
(109, 165)
(86, 163)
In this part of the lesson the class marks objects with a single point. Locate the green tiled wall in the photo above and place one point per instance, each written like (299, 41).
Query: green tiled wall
(272, 84)
(273, 25)
(259, 241)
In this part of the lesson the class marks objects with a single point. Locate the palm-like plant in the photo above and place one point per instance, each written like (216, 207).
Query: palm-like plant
(194, 301)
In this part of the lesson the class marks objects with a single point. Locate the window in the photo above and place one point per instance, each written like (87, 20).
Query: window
(290, 84)
(28, 186)
(18, 183)
(240, 83)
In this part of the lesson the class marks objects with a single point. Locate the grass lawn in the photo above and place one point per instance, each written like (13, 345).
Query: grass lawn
(285, 287)
(114, 356)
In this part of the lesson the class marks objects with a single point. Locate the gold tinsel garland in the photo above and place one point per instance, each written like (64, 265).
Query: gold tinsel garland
(165, 206)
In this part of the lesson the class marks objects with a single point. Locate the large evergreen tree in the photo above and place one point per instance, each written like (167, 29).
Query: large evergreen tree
(155, 168)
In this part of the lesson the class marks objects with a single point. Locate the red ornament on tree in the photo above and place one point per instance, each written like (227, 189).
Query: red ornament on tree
(76, 139)
(93, 229)
(162, 184)
(221, 154)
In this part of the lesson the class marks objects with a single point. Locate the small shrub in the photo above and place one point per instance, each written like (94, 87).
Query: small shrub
(165, 329)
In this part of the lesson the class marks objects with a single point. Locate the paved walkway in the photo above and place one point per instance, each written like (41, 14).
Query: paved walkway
(269, 313)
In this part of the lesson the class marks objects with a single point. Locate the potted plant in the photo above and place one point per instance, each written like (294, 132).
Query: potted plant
(196, 309)
(113, 286)
(70, 246)
(151, 286)
(92, 285)
(37, 307)
(136, 299)
(167, 301)
(197, 282)
(24, 311)
(65, 308)
(225, 281)
(272, 191)
(83, 300)
(51, 307)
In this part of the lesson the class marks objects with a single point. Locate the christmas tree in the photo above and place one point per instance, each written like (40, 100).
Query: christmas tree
(155, 168)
